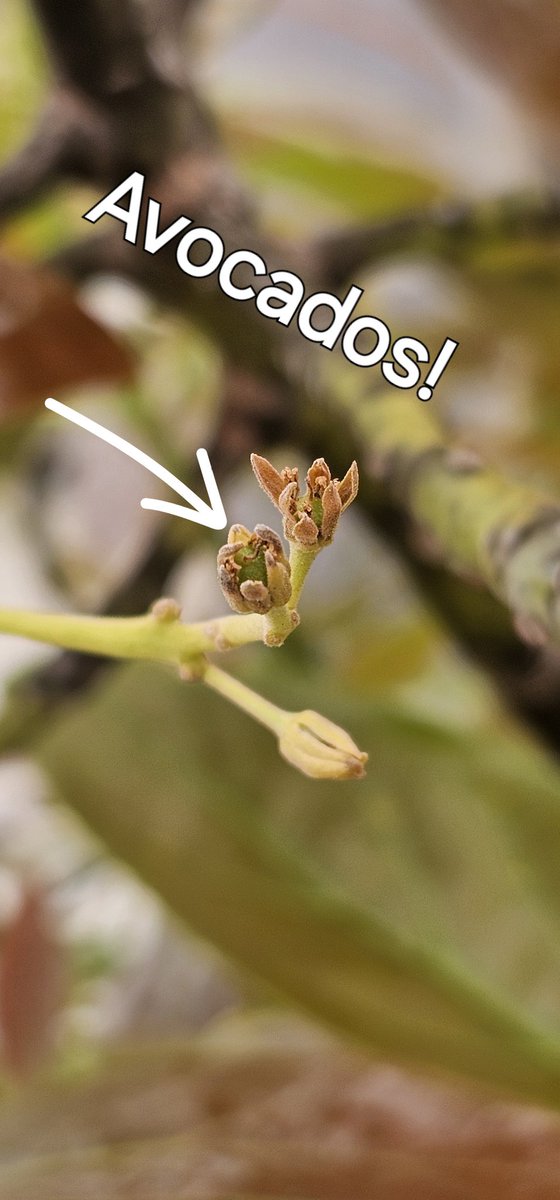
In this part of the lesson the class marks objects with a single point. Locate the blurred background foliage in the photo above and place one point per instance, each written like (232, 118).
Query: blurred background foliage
(300, 892)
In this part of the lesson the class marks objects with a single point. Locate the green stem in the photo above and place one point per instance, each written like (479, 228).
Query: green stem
(237, 693)
(300, 563)
(226, 633)
(279, 624)
(143, 637)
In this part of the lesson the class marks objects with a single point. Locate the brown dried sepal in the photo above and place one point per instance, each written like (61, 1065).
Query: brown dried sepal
(253, 571)
(309, 520)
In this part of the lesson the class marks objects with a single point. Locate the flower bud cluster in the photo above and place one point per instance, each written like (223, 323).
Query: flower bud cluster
(253, 571)
(310, 519)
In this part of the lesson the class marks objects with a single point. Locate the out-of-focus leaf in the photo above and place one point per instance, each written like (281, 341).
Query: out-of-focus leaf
(47, 342)
(403, 910)
(518, 42)
(398, 655)
(221, 20)
(324, 186)
(23, 74)
(269, 1109)
(32, 984)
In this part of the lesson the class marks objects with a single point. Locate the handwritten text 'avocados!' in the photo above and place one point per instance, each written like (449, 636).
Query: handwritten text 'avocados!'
(283, 298)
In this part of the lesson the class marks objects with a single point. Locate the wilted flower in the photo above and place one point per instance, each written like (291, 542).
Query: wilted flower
(309, 520)
(253, 571)
(320, 748)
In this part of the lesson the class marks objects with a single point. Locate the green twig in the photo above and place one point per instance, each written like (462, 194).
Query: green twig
(238, 693)
(147, 637)
(311, 743)
(300, 562)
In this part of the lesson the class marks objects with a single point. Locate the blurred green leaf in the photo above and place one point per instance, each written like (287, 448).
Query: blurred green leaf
(399, 910)
(310, 184)
(23, 72)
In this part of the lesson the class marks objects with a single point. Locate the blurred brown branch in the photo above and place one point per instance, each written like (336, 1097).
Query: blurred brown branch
(113, 107)
(452, 229)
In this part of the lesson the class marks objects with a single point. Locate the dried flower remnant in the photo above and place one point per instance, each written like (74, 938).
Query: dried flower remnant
(253, 571)
(310, 519)
(320, 748)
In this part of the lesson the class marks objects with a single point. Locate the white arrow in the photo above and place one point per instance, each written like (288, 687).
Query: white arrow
(213, 514)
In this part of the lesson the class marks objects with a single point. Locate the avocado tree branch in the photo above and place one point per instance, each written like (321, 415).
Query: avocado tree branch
(480, 524)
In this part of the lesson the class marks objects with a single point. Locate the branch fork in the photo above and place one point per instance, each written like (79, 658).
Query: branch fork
(263, 586)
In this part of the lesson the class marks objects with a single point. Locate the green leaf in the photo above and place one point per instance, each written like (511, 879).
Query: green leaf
(328, 180)
(359, 903)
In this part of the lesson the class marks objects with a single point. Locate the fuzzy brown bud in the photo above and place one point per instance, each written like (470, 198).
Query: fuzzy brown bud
(310, 519)
(253, 571)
